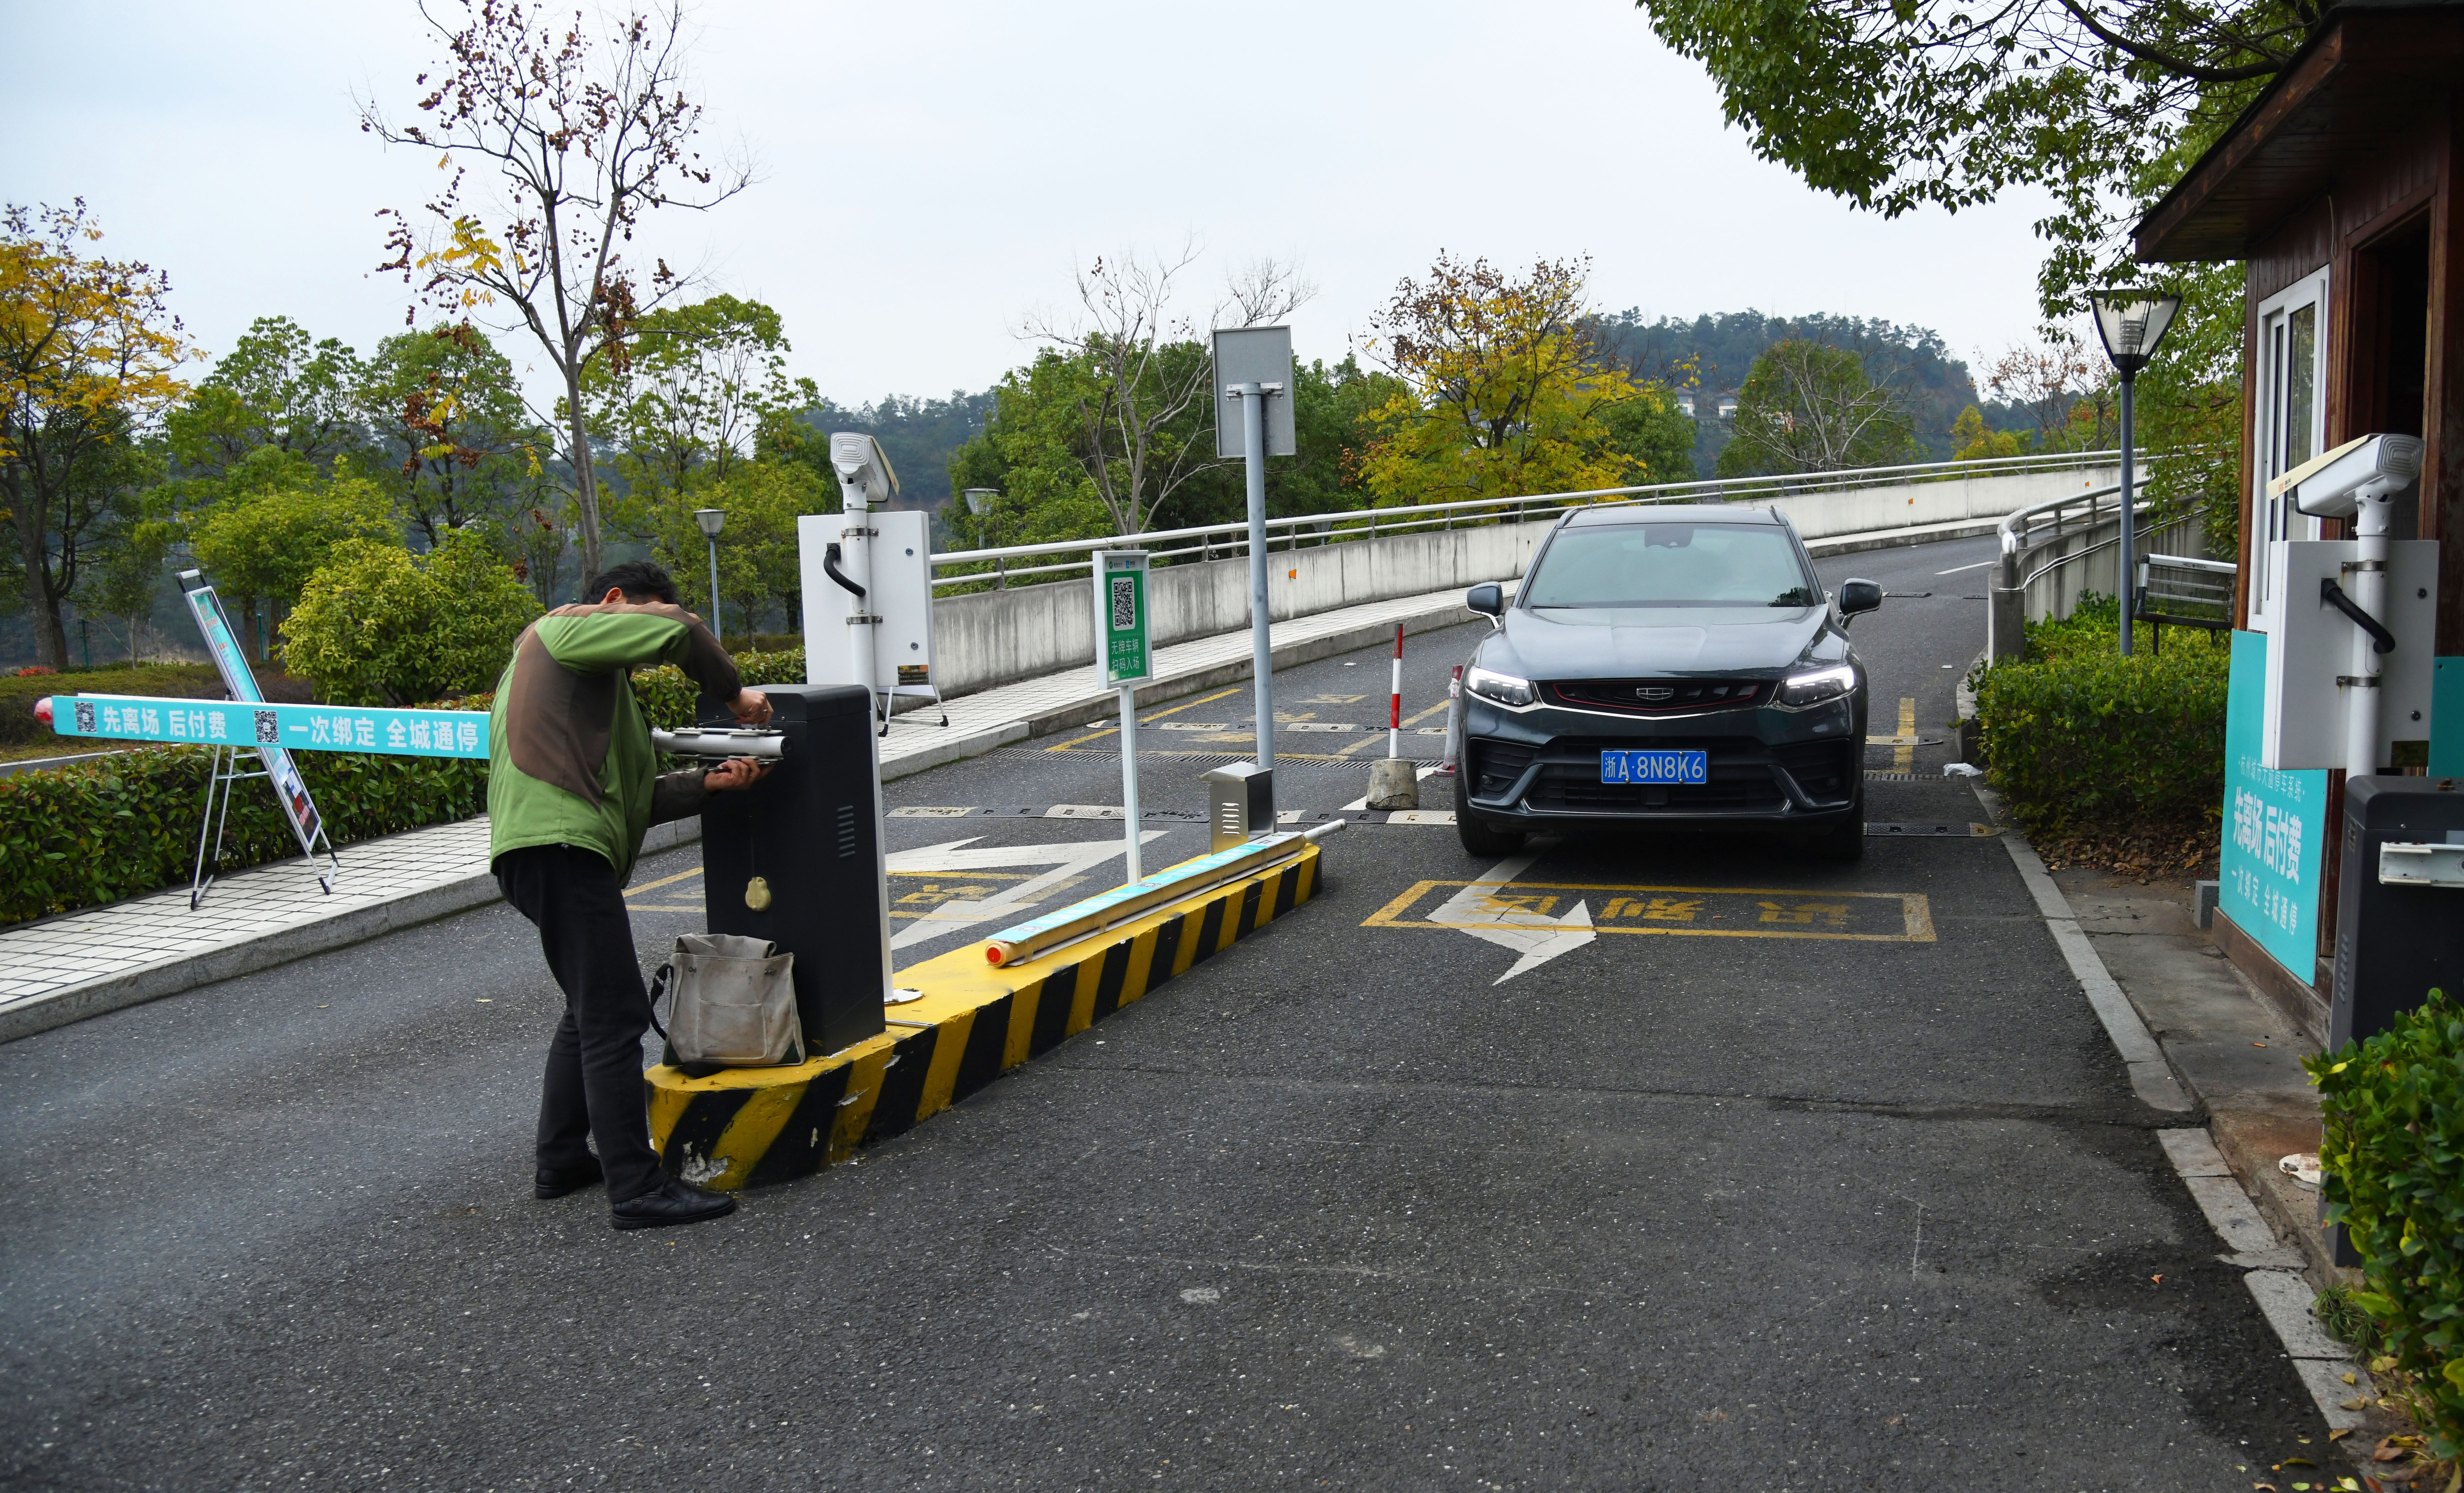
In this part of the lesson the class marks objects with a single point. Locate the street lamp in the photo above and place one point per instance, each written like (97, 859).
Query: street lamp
(980, 502)
(2131, 322)
(710, 519)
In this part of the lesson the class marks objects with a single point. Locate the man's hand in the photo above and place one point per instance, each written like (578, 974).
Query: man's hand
(752, 707)
(737, 772)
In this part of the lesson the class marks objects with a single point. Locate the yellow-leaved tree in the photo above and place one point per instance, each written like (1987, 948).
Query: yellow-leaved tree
(87, 348)
(1506, 393)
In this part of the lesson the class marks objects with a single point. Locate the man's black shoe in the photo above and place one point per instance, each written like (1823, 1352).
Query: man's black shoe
(673, 1202)
(572, 1179)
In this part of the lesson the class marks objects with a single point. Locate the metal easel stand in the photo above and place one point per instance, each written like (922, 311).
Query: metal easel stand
(889, 703)
(218, 796)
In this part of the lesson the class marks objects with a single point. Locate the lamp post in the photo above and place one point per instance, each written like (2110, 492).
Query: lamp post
(2130, 322)
(980, 502)
(710, 519)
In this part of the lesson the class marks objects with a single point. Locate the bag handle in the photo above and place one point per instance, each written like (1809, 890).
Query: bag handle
(659, 985)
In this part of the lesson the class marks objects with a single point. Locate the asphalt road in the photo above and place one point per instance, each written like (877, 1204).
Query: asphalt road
(1338, 1208)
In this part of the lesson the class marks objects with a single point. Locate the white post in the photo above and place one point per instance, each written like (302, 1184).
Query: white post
(855, 551)
(1129, 776)
(1261, 648)
(1395, 701)
(2368, 590)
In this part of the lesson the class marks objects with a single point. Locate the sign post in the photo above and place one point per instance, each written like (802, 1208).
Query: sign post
(1124, 660)
(278, 769)
(1253, 420)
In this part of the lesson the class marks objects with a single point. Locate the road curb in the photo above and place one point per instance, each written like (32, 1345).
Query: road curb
(755, 1127)
(246, 955)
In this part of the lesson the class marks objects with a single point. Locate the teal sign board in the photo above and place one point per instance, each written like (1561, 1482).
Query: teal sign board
(252, 723)
(2275, 828)
(1123, 651)
(2447, 718)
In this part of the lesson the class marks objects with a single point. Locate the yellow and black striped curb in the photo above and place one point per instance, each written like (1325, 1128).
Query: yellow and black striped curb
(752, 1126)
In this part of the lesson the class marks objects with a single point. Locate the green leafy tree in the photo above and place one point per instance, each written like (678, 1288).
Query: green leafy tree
(693, 391)
(1503, 389)
(759, 567)
(278, 386)
(379, 625)
(88, 346)
(275, 522)
(1971, 441)
(451, 436)
(1806, 408)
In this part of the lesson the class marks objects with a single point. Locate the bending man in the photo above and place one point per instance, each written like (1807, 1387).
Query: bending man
(572, 787)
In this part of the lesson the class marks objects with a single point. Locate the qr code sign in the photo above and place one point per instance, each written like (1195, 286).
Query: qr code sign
(269, 728)
(1125, 603)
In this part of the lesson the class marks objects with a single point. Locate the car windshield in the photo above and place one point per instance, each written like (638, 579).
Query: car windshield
(1672, 565)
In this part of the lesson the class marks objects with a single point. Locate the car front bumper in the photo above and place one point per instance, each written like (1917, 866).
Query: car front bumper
(1767, 768)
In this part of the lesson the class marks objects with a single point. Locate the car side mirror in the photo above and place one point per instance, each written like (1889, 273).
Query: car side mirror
(1859, 596)
(1487, 599)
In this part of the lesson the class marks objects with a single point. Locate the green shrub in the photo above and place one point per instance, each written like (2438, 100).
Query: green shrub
(378, 625)
(126, 824)
(96, 832)
(2079, 738)
(2393, 1154)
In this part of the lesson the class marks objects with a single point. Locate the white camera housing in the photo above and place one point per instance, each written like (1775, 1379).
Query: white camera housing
(2335, 484)
(864, 469)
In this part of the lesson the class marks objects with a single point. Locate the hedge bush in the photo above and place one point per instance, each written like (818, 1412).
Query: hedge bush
(2393, 1154)
(99, 831)
(126, 824)
(2077, 736)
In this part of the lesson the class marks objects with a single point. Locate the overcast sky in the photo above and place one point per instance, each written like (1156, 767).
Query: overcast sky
(931, 172)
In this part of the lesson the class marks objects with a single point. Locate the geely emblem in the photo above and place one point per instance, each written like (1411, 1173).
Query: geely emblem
(1652, 692)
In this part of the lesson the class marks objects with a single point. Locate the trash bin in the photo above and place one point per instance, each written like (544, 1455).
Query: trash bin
(811, 833)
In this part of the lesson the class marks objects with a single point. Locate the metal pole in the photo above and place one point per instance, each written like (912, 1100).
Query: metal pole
(1129, 776)
(1261, 650)
(715, 630)
(2127, 570)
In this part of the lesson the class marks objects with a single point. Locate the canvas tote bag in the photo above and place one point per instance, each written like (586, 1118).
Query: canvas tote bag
(735, 1003)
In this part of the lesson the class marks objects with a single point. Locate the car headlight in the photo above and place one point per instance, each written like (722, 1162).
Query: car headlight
(1799, 692)
(1499, 689)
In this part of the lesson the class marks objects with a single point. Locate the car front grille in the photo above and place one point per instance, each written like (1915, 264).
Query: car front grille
(1742, 775)
(1657, 696)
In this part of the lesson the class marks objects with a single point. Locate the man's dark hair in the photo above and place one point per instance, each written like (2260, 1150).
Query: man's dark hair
(636, 578)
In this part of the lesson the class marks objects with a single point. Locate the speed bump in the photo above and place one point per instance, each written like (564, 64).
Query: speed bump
(752, 1126)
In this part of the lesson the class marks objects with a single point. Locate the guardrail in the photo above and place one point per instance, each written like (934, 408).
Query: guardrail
(1230, 539)
(2030, 531)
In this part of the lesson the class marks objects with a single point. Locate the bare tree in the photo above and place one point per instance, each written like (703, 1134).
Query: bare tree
(584, 135)
(2047, 381)
(1149, 370)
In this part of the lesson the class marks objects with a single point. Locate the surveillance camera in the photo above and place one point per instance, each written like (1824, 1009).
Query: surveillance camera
(2337, 484)
(864, 469)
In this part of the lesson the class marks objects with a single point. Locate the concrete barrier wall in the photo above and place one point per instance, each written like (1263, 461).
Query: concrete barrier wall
(990, 638)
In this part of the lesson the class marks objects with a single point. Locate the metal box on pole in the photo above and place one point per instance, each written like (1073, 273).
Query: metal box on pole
(809, 834)
(1239, 804)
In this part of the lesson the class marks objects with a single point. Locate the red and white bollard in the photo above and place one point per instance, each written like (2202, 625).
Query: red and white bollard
(1395, 704)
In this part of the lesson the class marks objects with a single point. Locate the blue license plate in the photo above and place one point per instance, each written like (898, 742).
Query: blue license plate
(1678, 767)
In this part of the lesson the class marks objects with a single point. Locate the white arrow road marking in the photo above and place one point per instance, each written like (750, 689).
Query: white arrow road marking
(952, 857)
(1479, 911)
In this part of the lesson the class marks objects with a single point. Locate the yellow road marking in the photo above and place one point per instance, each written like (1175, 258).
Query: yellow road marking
(1903, 757)
(663, 881)
(1379, 735)
(1778, 912)
(1114, 730)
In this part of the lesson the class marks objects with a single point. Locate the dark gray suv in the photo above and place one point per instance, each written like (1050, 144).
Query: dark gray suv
(1666, 668)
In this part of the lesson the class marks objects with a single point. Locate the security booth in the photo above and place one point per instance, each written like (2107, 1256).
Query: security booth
(2341, 190)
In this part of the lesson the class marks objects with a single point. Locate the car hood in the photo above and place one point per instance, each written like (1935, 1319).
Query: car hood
(1626, 643)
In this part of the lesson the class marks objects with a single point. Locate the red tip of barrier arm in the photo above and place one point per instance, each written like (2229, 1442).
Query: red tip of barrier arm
(998, 953)
(43, 710)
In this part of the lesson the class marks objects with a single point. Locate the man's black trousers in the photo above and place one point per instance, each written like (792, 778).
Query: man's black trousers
(594, 1064)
